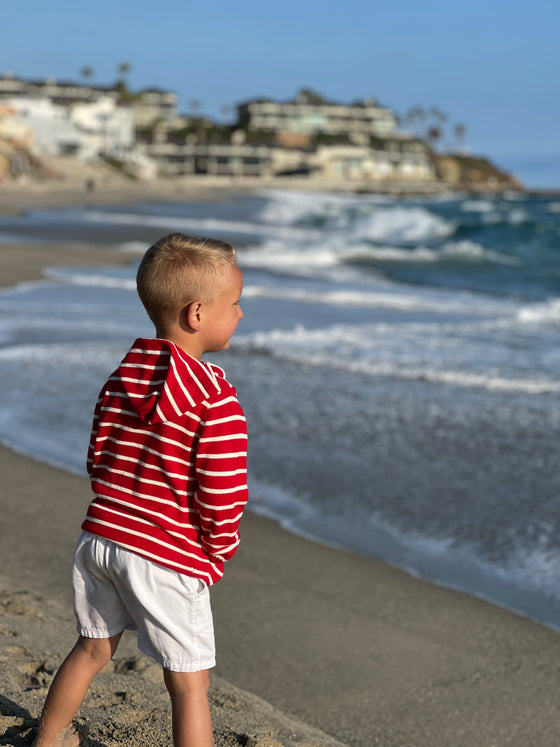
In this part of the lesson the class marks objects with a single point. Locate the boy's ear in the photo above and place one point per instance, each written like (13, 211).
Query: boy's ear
(191, 316)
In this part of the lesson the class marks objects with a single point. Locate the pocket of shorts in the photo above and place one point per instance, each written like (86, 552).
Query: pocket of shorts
(193, 584)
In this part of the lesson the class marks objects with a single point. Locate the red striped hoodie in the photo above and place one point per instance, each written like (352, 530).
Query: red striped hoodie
(168, 460)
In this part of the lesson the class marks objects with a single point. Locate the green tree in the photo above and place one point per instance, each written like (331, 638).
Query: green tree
(309, 96)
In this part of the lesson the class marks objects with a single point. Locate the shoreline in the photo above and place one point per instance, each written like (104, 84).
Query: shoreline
(16, 198)
(342, 645)
(347, 644)
(37, 629)
(112, 188)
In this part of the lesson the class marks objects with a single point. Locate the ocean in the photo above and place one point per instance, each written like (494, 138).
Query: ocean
(398, 363)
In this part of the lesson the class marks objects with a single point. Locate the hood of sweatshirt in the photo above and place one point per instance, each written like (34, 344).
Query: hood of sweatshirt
(162, 382)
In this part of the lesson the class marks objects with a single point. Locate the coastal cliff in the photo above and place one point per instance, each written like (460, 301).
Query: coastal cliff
(474, 174)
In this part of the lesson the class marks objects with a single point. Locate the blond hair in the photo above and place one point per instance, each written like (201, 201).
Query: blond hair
(179, 269)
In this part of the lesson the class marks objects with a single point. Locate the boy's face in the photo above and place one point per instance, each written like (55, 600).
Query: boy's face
(221, 316)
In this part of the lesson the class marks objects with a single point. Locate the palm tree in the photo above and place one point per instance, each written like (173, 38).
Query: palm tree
(435, 129)
(121, 85)
(194, 107)
(460, 131)
(415, 118)
(434, 134)
(438, 115)
(87, 72)
(124, 68)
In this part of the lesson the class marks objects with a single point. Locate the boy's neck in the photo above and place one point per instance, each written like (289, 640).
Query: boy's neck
(186, 342)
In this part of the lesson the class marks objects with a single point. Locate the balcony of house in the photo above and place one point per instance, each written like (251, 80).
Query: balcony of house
(317, 117)
(226, 159)
(153, 105)
(363, 163)
(11, 86)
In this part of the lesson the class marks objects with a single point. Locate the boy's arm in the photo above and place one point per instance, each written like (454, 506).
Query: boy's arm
(221, 470)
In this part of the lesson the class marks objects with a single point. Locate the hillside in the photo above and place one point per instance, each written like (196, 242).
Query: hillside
(474, 174)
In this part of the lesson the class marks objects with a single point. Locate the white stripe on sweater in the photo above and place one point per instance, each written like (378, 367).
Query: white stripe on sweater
(162, 559)
(135, 460)
(144, 496)
(146, 432)
(121, 502)
(142, 447)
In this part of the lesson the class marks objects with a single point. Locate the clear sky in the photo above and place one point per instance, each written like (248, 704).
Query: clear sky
(492, 65)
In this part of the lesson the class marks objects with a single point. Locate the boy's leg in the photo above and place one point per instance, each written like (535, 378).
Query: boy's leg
(192, 723)
(69, 688)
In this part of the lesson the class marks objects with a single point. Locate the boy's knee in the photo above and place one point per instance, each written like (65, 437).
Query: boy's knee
(99, 650)
(187, 683)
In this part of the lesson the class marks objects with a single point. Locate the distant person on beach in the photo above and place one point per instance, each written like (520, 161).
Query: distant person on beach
(167, 462)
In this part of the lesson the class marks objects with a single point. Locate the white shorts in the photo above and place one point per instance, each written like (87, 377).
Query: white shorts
(115, 589)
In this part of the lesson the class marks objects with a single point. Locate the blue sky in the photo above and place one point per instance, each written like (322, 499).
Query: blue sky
(491, 65)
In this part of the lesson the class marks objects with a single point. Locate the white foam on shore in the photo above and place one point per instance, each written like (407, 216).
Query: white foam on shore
(90, 279)
(527, 583)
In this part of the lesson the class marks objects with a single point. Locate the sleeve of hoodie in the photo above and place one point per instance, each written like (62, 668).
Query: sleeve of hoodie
(221, 471)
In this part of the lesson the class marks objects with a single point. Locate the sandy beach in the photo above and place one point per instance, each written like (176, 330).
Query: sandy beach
(315, 646)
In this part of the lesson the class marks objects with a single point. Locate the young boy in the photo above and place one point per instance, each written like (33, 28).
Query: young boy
(167, 461)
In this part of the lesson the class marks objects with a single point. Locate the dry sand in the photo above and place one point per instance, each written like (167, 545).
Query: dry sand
(110, 187)
(345, 645)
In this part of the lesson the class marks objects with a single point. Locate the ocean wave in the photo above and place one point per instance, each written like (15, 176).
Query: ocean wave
(456, 250)
(492, 212)
(173, 222)
(403, 225)
(368, 217)
(470, 250)
(333, 251)
(289, 208)
(441, 304)
(517, 217)
(434, 353)
(135, 247)
(541, 312)
(478, 206)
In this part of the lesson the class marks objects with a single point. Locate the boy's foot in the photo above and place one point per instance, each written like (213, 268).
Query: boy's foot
(69, 737)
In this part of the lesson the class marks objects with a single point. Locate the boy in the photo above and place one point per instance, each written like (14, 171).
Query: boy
(167, 462)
